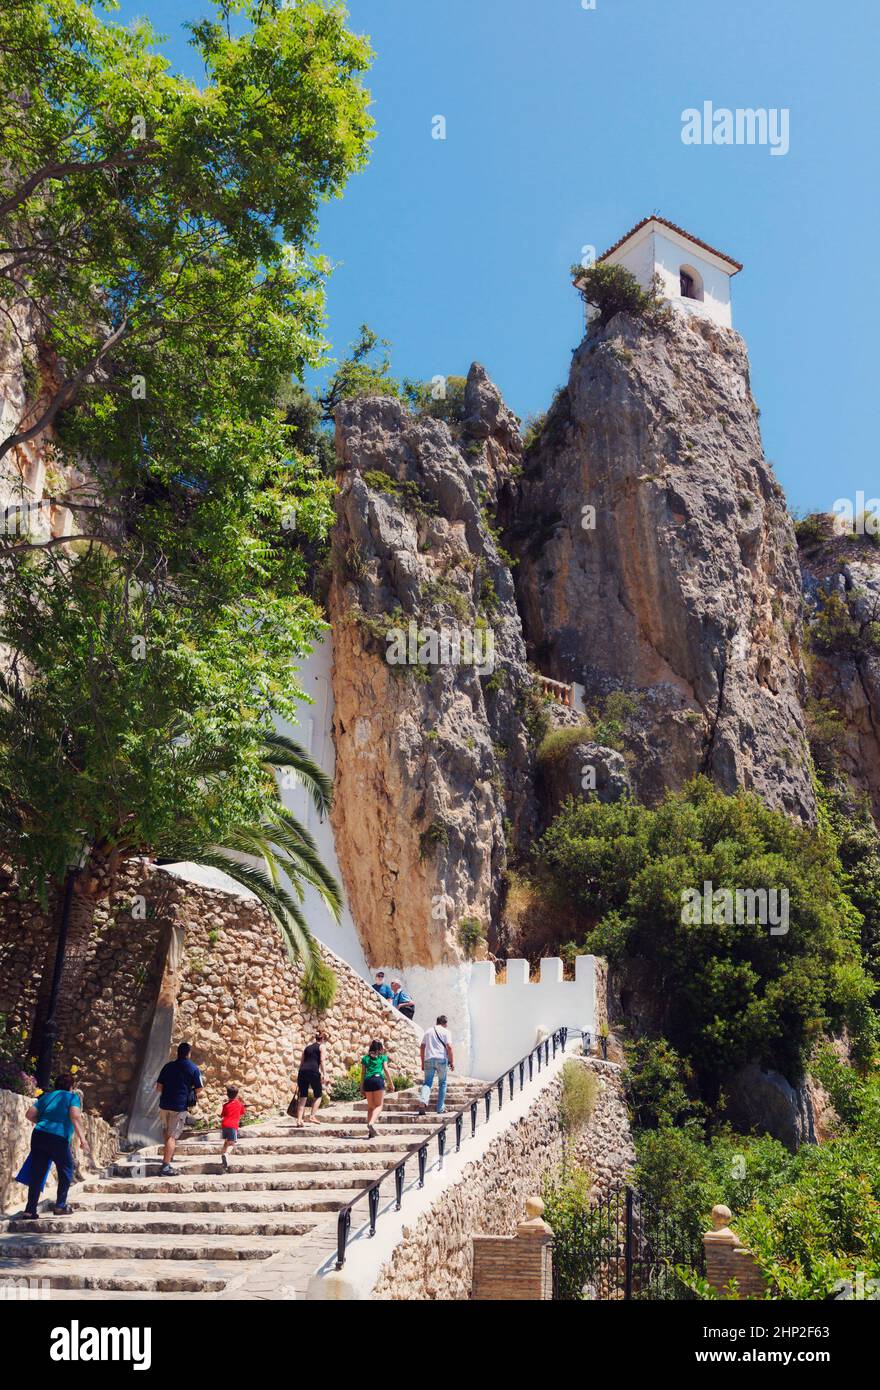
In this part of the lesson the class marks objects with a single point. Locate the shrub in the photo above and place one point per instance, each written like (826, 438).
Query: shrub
(614, 290)
(834, 629)
(347, 1087)
(16, 1067)
(319, 987)
(813, 530)
(656, 1086)
(731, 992)
(471, 933)
(578, 1246)
(556, 744)
(436, 834)
(580, 1090)
(449, 407)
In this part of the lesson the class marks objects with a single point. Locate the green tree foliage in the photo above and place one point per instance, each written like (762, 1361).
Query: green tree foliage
(121, 737)
(156, 244)
(614, 290)
(734, 992)
(812, 1218)
(658, 1086)
(366, 371)
(157, 239)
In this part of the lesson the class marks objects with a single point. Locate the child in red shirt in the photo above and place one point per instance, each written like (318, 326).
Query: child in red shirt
(230, 1119)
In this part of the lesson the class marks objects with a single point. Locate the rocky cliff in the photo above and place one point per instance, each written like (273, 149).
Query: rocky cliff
(433, 765)
(656, 558)
(841, 582)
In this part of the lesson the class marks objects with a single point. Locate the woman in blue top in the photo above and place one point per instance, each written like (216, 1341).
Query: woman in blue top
(56, 1116)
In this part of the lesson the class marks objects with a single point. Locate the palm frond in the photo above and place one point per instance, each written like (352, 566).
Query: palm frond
(282, 752)
(294, 929)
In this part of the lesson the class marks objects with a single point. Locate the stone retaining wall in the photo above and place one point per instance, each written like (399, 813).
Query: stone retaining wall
(435, 1258)
(234, 994)
(434, 1261)
(15, 1143)
(604, 1146)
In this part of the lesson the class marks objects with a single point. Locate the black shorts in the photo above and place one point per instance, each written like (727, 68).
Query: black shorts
(309, 1081)
(374, 1083)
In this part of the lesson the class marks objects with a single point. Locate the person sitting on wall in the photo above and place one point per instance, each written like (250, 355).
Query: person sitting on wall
(380, 986)
(402, 1001)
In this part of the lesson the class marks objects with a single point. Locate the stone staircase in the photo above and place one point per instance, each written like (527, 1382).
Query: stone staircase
(257, 1231)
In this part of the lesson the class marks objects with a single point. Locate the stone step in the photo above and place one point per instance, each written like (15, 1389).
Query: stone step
(327, 1198)
(306, 1161)
(148, 1276)
(314, 1141)
(116, 1295)
(239, 1182)
(399, 1137)
(136, 1247)
(181, 1223)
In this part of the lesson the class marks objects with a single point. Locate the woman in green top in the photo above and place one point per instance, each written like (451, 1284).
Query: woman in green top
(374, 1074)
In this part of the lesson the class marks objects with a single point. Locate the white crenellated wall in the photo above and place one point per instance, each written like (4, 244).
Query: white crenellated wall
(506, 1018)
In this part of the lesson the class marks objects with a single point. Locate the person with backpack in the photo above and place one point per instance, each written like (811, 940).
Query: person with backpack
(374, 1076)
(437, 1058)
(179, 1085)
(56, 1116)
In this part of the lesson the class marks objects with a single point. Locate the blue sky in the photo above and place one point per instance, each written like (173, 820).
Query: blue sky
(563, 128)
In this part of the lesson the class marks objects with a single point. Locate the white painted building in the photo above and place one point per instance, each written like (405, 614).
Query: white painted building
(692, 275)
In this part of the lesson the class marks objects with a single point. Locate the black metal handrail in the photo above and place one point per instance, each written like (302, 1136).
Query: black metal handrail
(371, 1194)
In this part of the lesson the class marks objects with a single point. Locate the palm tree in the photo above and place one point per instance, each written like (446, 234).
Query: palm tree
(278, 844)
(283, 844)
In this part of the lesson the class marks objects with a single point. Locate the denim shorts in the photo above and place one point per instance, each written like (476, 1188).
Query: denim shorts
(374, 1083)
(229, 1134)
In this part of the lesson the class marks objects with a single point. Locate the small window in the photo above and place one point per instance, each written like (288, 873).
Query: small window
(690, 282)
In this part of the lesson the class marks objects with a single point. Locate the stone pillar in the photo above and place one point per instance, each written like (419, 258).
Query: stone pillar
(515, 1268)
(727, 1259)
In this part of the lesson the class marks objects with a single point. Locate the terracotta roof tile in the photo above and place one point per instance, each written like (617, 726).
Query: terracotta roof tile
(672, 226)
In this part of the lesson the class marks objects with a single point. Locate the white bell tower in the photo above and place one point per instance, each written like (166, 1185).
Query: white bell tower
(692, 275)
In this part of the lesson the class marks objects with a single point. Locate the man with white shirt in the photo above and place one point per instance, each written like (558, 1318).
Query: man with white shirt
(436, 1053)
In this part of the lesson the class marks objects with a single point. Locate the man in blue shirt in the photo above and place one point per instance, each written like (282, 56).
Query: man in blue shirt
(175, 1083)
(380, 986)
(402, 1001)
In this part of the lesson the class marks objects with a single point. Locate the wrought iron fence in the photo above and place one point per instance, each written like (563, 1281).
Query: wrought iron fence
(623, 1247)
(464, 1124)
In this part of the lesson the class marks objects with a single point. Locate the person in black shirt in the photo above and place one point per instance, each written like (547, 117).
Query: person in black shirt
(179, 1085)
(310, 1078)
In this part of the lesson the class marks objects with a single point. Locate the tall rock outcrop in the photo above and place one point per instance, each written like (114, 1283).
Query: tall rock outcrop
(432, 759)
(681, 584)
(841, 580)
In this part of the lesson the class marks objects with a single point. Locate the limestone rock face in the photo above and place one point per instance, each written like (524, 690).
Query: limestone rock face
(432, 758)
(682, 586)
(845, 672)
(766, 1102)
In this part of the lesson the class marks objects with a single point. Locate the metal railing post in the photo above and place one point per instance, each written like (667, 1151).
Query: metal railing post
(342, 1228)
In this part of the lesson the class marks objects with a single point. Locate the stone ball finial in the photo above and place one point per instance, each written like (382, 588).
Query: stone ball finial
(534, 1208)
(721, 1217)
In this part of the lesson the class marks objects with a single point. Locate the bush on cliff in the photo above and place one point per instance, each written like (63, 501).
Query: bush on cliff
(731, 991)
(614, 290)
